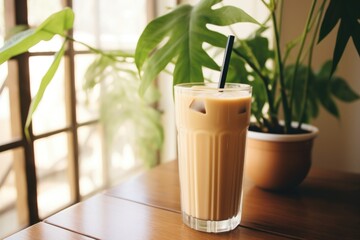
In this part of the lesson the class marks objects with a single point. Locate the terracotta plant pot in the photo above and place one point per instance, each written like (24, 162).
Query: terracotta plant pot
(279, 161)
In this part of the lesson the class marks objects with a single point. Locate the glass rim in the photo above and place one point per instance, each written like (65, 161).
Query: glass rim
(210, 87)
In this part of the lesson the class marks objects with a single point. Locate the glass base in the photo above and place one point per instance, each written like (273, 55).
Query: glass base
(211, 226)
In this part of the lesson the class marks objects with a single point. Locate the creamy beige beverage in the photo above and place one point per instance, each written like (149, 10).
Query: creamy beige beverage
(212, 127)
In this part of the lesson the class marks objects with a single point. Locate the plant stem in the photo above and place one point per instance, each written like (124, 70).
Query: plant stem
(98, 51)
(306, 84)
(266, 4)
(280, 15)
(303, 39)
(95, 50)
(287, 113)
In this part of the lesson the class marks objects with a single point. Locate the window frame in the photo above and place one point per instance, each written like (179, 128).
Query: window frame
(18, 10)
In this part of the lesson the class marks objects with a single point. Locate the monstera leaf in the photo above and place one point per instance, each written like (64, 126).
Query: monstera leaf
(57, 23)
(179, 36)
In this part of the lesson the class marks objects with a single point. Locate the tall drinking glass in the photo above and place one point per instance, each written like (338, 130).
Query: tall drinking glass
(212, 125)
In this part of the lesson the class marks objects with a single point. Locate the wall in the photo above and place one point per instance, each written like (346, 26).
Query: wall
(337, 146)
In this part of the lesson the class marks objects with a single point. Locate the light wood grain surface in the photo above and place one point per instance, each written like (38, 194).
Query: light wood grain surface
(325, 206)
(44, 231)
(104, 217)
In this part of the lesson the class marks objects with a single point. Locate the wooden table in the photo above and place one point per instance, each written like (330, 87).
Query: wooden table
(325, 206)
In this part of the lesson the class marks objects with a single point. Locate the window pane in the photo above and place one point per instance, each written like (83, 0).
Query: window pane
(114, 24)
(85, 27)
(123, 150)
(13, 208)
(9, 103)
(38, 11)
(51, 158)
(87, 104)
(50, 114)
(91, 159)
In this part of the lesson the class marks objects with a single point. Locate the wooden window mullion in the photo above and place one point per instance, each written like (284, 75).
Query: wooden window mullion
(74, 169)
(25, 99)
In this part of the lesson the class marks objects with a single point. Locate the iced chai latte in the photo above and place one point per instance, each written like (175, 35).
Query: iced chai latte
(212, 126)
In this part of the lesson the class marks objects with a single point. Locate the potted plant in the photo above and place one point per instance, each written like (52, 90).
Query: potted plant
(285, 95)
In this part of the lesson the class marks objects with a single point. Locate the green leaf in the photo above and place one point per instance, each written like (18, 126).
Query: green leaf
(328, 103)
(245, 50)
(331, 18)
(311, 109)
(260, 49)
(57, 23)
(238, 73)
(256, 51)
(95, 73)
(179, 36)
(43, 85)
(15, 30)
(323, 94)
(348, 13)
(341, 90)
(259, 98)
(122, 108)
(324, 71)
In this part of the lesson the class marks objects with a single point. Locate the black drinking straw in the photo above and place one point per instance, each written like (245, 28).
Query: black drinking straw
(225, 66)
